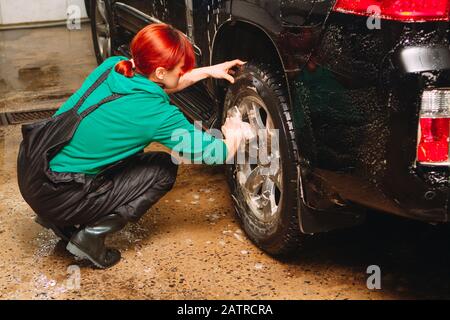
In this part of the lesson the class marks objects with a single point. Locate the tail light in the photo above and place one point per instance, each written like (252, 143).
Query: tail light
(401, 10)
(434, 128)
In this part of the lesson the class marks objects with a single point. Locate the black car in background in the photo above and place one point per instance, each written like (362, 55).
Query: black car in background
(359, 90)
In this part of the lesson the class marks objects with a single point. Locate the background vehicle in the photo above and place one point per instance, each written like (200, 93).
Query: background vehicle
(362, 105)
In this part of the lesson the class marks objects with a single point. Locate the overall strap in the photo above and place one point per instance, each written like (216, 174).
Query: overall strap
(91, 89)
(110, 98)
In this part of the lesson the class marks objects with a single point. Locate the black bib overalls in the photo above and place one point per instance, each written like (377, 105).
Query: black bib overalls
(128, 187)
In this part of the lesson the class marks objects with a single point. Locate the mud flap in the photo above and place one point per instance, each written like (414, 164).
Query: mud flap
(315, 221)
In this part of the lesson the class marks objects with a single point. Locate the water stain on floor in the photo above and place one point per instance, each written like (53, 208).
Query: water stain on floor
(38, 64)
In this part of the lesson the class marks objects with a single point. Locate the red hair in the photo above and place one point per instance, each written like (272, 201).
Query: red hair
(158, 45)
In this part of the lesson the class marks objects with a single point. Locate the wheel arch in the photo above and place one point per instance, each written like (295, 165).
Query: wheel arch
(250, 41)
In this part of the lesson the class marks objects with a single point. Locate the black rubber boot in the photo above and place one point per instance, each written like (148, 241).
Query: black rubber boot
(64, 233)
(89, 243)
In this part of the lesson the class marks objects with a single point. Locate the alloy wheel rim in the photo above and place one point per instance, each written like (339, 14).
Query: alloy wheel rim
(260, 179)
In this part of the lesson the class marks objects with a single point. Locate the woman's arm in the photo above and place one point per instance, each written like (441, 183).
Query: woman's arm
(218, 71)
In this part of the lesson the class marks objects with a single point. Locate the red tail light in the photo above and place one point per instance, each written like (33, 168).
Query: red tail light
(434, 128)
(402, 10)
(433, 145)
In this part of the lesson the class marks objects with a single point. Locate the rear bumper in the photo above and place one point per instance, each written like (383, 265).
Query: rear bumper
(421, 191)
(425, 189)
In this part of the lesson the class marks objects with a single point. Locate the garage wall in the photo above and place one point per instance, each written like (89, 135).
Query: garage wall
(28, 11)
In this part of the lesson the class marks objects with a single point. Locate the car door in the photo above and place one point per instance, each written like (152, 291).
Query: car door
(159, 9)
(169, 11)
(153, 11)
(197, 101)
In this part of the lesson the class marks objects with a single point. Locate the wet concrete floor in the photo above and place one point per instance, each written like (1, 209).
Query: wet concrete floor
(189, 245)
(39, 68)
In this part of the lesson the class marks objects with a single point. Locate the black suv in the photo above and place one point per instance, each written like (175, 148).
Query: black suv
(358, 89)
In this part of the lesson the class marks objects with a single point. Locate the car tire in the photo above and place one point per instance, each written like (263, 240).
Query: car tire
(87, 4)
(278, 235)
(101, 29)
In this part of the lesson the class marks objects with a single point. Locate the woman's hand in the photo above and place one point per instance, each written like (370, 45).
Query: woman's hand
(223, 70)
(232, 128)
(217, 71)
(235, 132)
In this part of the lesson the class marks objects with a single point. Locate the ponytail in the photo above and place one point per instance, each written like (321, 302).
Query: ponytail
(125, 67)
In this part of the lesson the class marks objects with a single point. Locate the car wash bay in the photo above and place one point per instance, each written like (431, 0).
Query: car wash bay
(189, 245)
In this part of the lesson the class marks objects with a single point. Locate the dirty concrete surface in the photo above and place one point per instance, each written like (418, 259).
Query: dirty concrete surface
(39, 68)
(189, 245)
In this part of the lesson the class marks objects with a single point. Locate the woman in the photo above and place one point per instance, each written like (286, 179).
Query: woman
(84, 171)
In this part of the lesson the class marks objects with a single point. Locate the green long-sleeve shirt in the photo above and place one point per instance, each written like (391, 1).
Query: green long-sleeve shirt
(127, 125)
